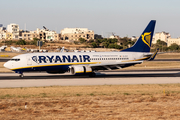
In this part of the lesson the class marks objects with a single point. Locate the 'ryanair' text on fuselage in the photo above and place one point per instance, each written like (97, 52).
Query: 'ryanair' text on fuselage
(62, 58)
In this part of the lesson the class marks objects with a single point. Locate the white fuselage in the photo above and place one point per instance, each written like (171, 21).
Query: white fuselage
(46, 61)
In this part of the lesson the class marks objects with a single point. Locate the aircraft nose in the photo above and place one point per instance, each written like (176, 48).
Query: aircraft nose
(6, 65)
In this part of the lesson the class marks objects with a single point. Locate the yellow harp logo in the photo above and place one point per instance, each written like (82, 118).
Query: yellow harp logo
(146, 38)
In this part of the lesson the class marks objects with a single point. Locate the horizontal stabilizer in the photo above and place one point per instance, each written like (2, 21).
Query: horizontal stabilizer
(154, 55)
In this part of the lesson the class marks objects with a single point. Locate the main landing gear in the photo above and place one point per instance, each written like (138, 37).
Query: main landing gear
(93, 74)
(21, 75)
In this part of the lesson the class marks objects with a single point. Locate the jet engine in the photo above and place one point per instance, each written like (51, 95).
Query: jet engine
(77, 70)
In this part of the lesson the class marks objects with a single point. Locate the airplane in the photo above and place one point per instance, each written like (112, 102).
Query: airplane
(18, 49)
(2, 48)
(86, 63)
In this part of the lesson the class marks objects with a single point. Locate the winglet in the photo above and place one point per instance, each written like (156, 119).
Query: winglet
(154, 55)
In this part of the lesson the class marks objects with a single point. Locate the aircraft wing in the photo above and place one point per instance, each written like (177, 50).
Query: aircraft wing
(115, 65)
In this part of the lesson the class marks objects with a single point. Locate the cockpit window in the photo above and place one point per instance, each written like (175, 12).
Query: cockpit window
(15, 60)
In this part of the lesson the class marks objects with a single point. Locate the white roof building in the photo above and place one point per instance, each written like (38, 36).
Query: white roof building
(14, 29)
(163, 36)
(76, 33)
(2, 32)
(173, 40)
(74, 30)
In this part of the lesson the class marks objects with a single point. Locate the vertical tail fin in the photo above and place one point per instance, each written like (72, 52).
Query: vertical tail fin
(143, 44)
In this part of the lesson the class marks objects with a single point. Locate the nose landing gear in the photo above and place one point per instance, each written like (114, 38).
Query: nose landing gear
(21, 74)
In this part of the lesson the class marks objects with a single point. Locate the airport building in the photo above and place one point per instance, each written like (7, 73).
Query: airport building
(114, 37)
(2, 35)
(14, 30)
(76, 33)
(173, 40)
(163, 36)
(2, 32)
(42, 34)
(27, 35)
(134, 38)
(9, 36)
(14, 33)
(45, 34)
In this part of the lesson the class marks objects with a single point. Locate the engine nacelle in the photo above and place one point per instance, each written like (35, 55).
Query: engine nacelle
(80, 70)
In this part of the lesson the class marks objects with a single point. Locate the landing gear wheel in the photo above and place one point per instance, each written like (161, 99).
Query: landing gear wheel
(93, 74)
(21, 75)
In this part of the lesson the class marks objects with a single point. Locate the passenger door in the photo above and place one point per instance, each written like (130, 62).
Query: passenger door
(29, 61)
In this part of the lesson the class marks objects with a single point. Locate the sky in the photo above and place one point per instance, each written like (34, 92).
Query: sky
(104, 17)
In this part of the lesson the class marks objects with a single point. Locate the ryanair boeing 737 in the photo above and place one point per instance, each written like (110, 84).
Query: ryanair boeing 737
(85, 62)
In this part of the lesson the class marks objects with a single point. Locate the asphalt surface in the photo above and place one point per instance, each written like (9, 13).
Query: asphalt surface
(105, 74)
(167, 60)
(4, 59)
(9, 80)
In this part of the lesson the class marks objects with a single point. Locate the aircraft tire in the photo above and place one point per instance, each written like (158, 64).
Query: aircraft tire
(21, 75)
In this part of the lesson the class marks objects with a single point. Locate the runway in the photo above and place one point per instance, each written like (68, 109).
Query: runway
(167, 60)
(10, 80)
(4, 59)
